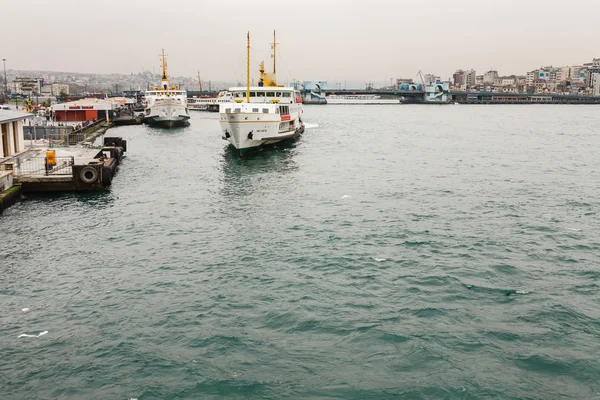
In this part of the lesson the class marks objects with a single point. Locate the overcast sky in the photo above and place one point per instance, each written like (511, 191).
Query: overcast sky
(369, 40)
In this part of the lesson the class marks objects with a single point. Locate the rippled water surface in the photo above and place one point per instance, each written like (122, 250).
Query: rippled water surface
(393, 251)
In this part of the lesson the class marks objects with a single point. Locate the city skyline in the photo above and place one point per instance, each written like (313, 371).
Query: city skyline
(318, 41)
(460, 79)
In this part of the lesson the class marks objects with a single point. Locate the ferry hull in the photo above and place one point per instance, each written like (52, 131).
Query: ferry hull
(164, 122)
(167, 116)
(248, 138)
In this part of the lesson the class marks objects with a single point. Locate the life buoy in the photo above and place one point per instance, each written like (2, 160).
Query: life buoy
(89, 174)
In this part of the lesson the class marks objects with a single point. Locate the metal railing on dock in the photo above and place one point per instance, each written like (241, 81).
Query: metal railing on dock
(52, 136)
(39, 166)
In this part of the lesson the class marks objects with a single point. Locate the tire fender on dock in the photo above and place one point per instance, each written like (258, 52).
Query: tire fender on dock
(107, 175)
(88, 174)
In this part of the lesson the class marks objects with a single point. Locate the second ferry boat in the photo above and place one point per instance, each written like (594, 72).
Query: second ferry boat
(209, 103)
(166, 106)
(261, 115)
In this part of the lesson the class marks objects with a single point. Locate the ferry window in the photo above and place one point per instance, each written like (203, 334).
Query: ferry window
(286, 94)
(237, 110)
(277, 111)
(255, 110)
(260, 94)
(270, 94)
(228, 110)
(278, 94)
(252, 94)
(265, 110)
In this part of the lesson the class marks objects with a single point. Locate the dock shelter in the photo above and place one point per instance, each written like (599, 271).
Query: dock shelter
(84, 110)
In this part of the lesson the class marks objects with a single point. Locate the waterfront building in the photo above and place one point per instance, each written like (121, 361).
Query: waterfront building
(505, 81)
(11, 131)
(464, 79)
(547, 73)
(458, 78)
(89, 109)
(490, 76)
(577, 73)
(28, 86)
(596, 84)
(58, 88)
(470, 78)
(430, 79)
(531, 77)
(591, 69)
(563, 74)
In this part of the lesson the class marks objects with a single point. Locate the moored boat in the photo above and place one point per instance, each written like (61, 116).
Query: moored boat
(261, 115)
(360, 99)
(209, 103)
(166, 106)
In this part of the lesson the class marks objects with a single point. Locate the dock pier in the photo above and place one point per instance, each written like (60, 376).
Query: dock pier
(69, 169)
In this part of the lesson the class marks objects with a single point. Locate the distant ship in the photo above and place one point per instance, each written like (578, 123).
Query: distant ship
(359, 99)
(166, 106)
(261, 115)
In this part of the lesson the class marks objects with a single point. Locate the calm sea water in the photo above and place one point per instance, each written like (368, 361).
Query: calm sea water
(392, 252)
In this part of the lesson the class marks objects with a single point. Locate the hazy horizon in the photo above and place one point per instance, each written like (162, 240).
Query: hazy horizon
(354, 41)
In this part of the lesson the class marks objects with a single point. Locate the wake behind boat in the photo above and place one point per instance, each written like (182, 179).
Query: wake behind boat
(166, 106)
(261, 115)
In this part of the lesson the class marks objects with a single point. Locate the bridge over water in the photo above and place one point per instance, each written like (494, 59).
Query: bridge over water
(419, 96)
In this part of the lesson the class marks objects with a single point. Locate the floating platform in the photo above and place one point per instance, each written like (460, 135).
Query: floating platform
(68, 169)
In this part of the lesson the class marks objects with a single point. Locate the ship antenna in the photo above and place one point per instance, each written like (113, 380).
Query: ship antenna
(248, 72)
(274, 54)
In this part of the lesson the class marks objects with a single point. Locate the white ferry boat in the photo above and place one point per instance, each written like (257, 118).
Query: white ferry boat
(359, 99)
(261, 115)
(209, 103)
(166, 106)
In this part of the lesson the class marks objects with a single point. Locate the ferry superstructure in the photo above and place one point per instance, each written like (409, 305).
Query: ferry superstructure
(166, 106)
(261, 115)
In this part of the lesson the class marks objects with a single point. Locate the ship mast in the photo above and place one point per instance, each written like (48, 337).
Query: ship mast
(165, 82)
(248, 72)
(274, 54)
